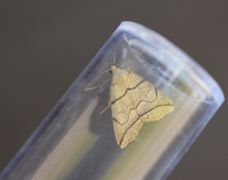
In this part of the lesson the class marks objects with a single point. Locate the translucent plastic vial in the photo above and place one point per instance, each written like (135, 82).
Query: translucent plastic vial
(76, 141)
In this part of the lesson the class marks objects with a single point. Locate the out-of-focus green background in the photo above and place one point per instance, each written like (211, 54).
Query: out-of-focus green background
(44, 46)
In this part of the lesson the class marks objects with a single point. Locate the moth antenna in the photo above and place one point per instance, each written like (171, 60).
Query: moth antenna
(86, 89)
(114, 59)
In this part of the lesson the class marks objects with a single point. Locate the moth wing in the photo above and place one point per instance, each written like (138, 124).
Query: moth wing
(134, 101)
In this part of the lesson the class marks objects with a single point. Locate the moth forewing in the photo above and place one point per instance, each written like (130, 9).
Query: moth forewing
(134, 101)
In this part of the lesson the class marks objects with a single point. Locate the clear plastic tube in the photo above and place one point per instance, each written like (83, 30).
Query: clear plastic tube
(76, 141)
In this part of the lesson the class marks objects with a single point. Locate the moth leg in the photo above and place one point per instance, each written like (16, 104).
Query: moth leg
(105, 109)
(86, 89)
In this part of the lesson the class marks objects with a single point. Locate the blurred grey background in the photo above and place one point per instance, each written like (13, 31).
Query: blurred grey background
(45, 45)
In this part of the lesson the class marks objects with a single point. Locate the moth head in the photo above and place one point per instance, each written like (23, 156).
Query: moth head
(113, 67)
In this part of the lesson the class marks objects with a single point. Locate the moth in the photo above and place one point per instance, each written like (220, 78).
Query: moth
(134, 101)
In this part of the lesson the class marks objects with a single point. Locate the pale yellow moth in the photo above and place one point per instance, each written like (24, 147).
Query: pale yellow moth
(133, 102)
